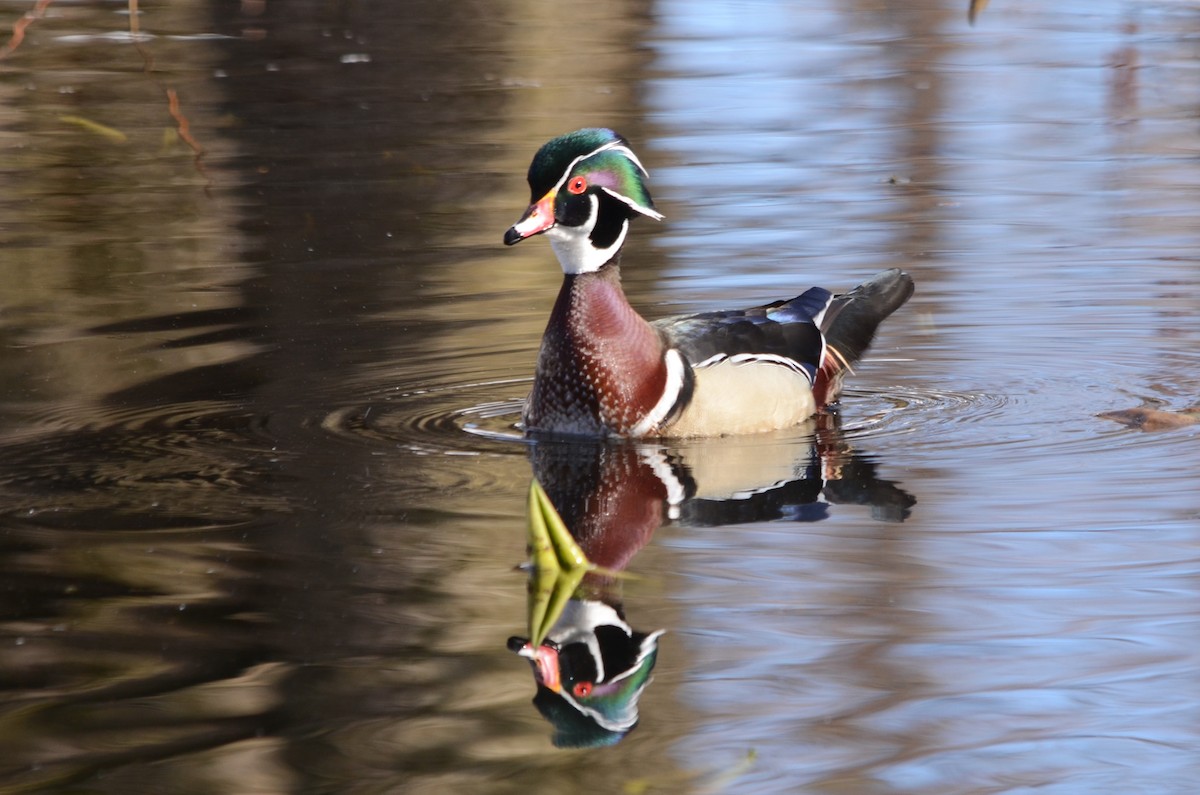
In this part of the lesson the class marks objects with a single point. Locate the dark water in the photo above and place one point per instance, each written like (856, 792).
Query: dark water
(261, 500)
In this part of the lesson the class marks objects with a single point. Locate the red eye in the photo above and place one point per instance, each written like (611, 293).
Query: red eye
(582, 689)
(577, 185)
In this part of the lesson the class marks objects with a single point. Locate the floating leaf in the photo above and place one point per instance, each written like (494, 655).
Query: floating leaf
(559, 565)
(103, 130)
(975, 9)
(569, 554)
(1149, 419)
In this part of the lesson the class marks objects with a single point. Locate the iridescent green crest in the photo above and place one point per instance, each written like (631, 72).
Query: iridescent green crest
(599, 155)
(615, 173)
(557, 155)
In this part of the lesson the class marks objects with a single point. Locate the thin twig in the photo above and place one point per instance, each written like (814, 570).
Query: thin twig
(182, 125)
(18, 35)
(183, 128)
(135, 35)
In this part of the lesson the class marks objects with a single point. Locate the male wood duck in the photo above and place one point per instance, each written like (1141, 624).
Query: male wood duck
(591, 672)
(604, 370)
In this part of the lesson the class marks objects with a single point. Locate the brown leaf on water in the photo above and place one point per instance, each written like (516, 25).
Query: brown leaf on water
(975, 9)
(1148, 419)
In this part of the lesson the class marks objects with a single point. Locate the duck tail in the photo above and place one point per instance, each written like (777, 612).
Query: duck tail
(849, 325)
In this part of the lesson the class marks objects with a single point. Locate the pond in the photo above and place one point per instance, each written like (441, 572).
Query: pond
(264, 496)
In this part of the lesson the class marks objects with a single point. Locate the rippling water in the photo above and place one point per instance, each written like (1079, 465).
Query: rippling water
(263, 485)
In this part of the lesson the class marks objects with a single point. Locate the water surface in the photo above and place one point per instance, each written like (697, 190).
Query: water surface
(262, 494)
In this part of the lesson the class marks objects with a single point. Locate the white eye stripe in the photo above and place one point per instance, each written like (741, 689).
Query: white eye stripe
(625, 150)
(616, 146)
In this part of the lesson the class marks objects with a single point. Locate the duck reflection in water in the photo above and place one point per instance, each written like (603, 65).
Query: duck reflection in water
(602, 502)
(589, 664)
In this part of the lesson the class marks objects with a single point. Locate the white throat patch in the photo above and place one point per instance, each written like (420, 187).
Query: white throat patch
(573, 244)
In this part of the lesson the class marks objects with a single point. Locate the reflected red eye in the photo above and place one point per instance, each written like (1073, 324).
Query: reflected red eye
(582, 689)
(577, 185)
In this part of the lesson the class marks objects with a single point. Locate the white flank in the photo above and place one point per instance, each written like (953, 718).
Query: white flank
(674, 385)
(732, 398)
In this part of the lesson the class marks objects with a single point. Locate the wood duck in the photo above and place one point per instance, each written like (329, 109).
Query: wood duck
(591, 672)
(604, 370)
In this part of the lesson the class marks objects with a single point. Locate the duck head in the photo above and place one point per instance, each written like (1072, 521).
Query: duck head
(585, 187)
(591, 672)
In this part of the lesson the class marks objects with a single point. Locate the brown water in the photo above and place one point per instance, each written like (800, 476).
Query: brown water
(262, 498)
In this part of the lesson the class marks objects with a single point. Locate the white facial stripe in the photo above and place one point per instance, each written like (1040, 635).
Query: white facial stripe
(657, 216)
(629, 154)
(647, 646)
(620, 724)
(674, 385)
(573, 244)
(581, 158)
(615, 146)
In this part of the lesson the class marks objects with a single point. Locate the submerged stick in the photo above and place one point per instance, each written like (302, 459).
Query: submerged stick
(18, 32)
